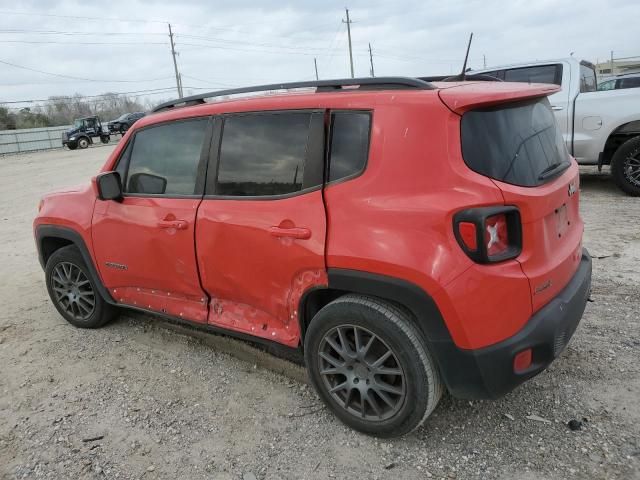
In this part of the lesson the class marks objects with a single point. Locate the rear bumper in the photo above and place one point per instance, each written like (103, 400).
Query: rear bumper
(488, 372)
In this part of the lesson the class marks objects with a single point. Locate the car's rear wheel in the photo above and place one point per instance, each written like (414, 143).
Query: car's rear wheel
(73, 291)
(625, 167)
(105, 139)
(83, 142)
(370, 365)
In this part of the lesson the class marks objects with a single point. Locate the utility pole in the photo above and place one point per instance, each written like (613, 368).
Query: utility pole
(371, 60)
(348, 22)
(315, 64)
(175, 64)
(611, 62)
(484, 60)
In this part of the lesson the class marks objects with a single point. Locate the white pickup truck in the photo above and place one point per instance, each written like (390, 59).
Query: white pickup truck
(599, 127)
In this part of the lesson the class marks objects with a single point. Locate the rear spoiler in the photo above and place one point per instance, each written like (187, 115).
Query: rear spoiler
(466, 96)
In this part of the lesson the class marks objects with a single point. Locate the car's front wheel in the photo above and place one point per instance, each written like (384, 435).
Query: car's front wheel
(83, 142)
(73, 291)
(370, 365)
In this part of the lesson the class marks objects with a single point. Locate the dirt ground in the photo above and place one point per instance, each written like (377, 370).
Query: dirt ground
(142, 399)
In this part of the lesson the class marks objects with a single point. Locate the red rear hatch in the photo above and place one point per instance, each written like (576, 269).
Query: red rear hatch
(551, 233)
(509, 133)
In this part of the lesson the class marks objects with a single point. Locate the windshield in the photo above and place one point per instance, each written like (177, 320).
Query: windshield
(122, 117)
(77, 123)
(517, 143)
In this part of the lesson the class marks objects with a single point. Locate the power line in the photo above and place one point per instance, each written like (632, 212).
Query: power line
(70, 97)
(65, 99)
(209, 81)
(77, 17)
(332, 46)
(79, 78)
(230, 41)
(134, 20)
(52, 42)
(63, 32)
(225, 47)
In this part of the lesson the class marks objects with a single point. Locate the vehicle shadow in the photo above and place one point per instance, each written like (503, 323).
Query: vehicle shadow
(592, 180)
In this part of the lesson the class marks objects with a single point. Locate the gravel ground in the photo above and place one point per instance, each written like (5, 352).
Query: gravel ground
(143, 399)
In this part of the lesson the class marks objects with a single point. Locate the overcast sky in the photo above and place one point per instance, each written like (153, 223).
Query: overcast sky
(124, 47)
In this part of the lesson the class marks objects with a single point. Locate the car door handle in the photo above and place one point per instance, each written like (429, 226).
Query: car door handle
(557, 107)
(177, 224)
(299, 233)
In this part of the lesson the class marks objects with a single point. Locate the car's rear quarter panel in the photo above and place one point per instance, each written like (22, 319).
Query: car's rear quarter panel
(404, 204)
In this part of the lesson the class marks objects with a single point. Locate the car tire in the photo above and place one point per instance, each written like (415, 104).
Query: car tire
(385, 382)
(83, 143)
(625, 167)
(105, 139)
(73, 291)
(72, 146)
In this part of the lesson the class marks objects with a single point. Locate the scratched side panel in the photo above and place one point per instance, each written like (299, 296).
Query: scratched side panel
(254, 279)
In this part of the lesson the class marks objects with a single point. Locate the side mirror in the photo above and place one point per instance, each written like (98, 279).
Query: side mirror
(109, 186)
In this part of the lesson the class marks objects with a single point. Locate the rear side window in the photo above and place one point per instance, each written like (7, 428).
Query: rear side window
(165, 159)
(349, 143)
(631, 82)
(263, 154)
(536, 74)
(496, 74)
(517, 143)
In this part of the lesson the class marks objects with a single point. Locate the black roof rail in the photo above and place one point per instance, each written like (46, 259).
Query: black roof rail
(375, 83)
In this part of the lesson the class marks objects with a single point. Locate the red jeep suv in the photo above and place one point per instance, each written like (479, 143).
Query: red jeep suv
(406, 236)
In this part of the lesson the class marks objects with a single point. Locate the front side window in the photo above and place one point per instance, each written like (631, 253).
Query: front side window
(349, 143)
(536, 74)
(165, 159)
(588, 81)
(263, 154)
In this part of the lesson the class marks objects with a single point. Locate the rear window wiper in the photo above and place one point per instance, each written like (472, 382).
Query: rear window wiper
(554, 169)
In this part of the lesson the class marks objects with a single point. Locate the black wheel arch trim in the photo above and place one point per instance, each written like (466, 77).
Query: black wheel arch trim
(429, 320)
(408, 294)
(66, 233)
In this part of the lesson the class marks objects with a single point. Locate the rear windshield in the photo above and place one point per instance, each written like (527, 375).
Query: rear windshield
(517, 143)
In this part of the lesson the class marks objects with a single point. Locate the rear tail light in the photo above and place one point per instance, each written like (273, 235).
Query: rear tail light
(469, 235)
(489, 234)
(496, 235)
(522, 361)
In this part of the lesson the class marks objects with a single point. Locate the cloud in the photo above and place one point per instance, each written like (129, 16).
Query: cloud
(249, 42)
